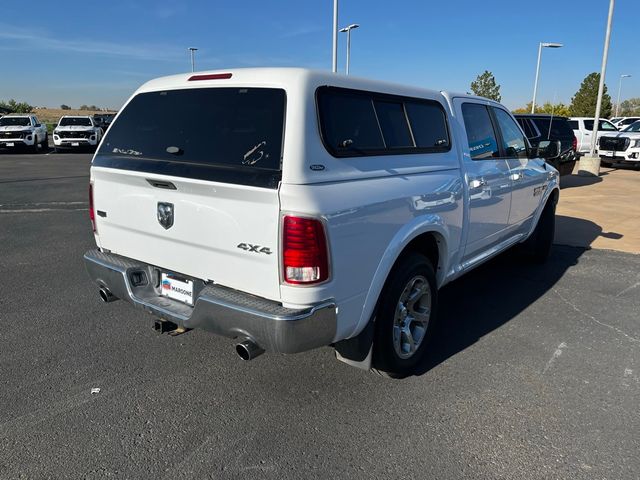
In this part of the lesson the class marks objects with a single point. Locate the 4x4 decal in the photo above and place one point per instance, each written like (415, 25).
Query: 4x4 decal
(248, 247)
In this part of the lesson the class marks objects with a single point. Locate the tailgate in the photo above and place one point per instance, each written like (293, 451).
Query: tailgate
(187, 180)
(213, 234)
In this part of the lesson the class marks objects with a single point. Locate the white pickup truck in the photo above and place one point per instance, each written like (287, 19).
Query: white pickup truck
(18, 130)
(292, 209)
(76, 131)
(583, 130)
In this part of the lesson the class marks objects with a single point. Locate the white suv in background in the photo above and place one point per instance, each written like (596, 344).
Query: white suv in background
(76, 132)
(623, 147)
(583, 130)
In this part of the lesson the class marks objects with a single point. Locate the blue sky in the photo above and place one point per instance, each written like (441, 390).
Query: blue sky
(77, 52)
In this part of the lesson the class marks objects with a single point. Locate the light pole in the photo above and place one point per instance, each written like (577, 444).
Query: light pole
(334, 63)
(603, 72)
(348, 30)
(535, 84)
(193, 60)
(620, 88)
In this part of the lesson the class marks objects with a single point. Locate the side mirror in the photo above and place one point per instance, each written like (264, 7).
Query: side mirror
(548, 149)
(38, 125)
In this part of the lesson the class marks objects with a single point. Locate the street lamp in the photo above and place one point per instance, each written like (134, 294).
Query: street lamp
(348, 30)
(620, 88)
(193, 61)
(334, 33)
(590, 164)
(535, 85)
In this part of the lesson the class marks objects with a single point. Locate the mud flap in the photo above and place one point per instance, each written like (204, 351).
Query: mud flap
(357, 351)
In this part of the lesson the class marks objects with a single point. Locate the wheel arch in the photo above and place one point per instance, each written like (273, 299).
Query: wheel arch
(431, 238)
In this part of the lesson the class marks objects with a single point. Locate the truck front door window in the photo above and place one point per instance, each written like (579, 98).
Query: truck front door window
(513, 142)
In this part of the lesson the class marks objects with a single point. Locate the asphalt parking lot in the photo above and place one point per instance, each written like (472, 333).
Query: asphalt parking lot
(534, 374)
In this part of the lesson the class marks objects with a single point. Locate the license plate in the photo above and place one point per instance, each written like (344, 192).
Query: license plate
(75, 144)
(177, 288)
(10, 144)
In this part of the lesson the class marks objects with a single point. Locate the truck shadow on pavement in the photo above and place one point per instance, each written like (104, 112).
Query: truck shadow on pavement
(492, 295)
(572, 181)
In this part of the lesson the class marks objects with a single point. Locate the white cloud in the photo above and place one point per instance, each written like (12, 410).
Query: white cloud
(34, 40)
(300, 31)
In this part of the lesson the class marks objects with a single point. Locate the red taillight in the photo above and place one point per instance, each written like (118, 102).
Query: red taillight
(210, 76)
(305, 259)
(91, 212)
(575, 144)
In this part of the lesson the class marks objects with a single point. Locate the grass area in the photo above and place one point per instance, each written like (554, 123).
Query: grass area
(52, 115)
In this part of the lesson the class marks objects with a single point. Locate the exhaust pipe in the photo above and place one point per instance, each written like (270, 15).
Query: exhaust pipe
(106, 295)
(248, 350)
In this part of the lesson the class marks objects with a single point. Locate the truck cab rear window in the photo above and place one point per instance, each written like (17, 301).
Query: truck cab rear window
(357, 123)
(229, 128)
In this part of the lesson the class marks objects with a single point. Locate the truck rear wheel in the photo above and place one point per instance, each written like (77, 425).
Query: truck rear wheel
(405, 317)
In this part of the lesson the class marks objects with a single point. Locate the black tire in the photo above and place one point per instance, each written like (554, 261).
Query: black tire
(390, 327)
(45, 143)
(538, 245)
(34, 147)
(605, 163)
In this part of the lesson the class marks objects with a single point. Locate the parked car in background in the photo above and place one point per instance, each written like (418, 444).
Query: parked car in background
(541, 127)
(623, 147)
(104, 120)
(583, 129)
(623, 122)
(76, 132)
(309, 209)
(17, 130)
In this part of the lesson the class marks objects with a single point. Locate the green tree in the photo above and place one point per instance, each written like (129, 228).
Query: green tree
(16, 107)
(485, 86)
(630, 107)
(65, 107)
(559, 109)
(583, 103)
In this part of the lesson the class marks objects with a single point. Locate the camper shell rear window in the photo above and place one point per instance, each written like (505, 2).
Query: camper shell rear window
(230, 135)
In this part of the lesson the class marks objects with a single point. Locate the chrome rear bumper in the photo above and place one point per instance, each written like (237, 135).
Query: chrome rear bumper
(221, 310)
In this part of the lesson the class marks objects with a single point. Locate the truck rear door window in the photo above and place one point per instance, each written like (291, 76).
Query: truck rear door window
(226, 134)
(480, 132)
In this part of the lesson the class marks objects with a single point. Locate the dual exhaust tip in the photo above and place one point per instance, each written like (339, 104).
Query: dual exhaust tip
(247, 349)
(106, 295)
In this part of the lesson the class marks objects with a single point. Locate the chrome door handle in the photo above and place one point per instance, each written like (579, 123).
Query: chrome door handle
(477, 183)
(516, 176)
